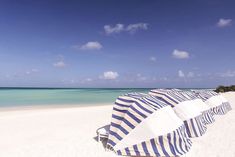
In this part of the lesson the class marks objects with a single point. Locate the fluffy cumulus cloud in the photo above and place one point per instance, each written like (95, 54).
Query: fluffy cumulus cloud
(115, 29)
(131, 28)
(135, 27)
(91, 45)
(178, 54)
(224, 22)
(152, 59)
(181, 74)
(109, 75)
(59, 64)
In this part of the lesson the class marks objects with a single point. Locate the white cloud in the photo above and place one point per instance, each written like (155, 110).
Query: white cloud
(34, 70)
(190, 74)
(164, 78)
(180, 54)
(153, 59)
(31, 71)
(72, 81)
(89, 79)
(116, 29)
(131, 28)
(59, 64)
(109, 75)
(181, 74)
(7, 76)
(141, 78)
(76, 47)
(138, 75)
(228, 73)
(91, 45)
(224, 22)
(138, 26)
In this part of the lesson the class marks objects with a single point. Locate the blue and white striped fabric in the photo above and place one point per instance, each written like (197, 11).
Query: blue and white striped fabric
(142, 125)
(176, 90)
(218, 104)
(186, 108)
(208, 116)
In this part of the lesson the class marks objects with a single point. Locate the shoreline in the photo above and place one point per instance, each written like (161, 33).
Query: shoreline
(51, 106)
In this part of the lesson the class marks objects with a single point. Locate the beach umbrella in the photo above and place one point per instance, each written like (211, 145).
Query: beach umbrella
(207, 113)
(142, 125)
(218, 104)
(185, 108)
(176, 89)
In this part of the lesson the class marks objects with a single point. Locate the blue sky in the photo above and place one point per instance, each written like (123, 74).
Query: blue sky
(125, 43)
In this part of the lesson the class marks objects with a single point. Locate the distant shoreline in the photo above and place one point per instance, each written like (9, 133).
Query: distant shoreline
(89, 88)
(50, 106)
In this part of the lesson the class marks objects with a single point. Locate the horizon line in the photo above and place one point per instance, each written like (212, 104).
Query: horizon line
(105, 87)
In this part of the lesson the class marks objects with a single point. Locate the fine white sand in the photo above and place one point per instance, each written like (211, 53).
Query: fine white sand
(71, 132)
(219, 140)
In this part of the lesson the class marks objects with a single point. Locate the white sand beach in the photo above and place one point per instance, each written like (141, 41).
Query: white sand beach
(71, 132)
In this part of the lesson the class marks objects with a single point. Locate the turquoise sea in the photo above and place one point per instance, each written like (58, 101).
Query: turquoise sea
(13, 97)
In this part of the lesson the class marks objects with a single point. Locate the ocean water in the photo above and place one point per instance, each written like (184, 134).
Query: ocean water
(13, 97)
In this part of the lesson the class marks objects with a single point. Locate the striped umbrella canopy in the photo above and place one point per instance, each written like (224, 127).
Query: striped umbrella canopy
(185, 108)
(218, 104)
(142, 125)
(208, 115)
(176, 89)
